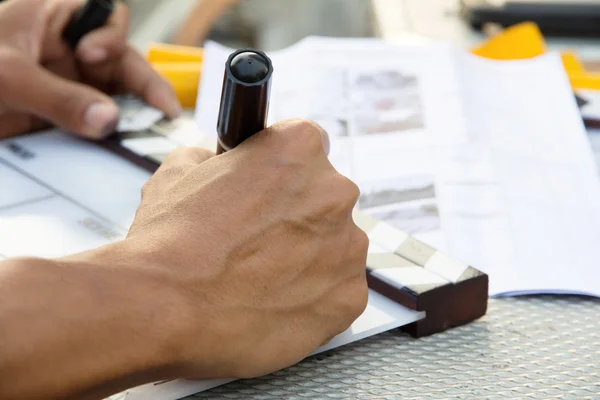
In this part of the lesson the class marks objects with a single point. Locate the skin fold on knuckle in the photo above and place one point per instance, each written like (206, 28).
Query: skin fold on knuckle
(351, 191)
(354, 307)
(357, 297)
(347, 301)
(361, 299)
(360, 242)
(342, 193)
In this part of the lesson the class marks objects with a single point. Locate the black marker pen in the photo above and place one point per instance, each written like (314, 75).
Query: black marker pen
(90, 16)
(244, 97)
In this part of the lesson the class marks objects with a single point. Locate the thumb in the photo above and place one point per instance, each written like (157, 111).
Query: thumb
(27, 87)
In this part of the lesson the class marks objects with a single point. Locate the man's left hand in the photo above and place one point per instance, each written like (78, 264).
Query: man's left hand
(44, 82)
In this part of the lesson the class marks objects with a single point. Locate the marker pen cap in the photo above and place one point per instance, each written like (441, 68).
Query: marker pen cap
(244, 97)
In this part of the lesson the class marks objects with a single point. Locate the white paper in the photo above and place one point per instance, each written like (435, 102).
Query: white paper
(485, 160)
(522, 200)
(61, 195)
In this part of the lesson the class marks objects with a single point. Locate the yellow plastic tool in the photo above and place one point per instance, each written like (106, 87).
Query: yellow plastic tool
(519, 41)
(181, 66)
(170, 53)
(525, 40)
(184, 77)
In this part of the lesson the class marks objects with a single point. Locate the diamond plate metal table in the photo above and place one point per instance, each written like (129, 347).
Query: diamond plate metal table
(543, 347)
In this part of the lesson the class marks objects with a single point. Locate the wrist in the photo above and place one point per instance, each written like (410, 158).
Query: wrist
(142, 308)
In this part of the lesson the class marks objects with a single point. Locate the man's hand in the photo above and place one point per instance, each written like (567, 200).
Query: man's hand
(42, 81)
(235, 266)
(262, 243)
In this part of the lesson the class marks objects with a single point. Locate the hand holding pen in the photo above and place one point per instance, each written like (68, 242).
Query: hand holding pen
(46, 81)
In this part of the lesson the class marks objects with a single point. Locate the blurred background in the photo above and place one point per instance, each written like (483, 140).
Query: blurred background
(266, 24)
(274, 24)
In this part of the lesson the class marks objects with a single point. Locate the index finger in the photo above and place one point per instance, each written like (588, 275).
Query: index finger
(138, 76)
(185, 156)
(109, 41)
(297, 133)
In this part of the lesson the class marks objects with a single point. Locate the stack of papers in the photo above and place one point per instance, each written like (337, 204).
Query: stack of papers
(485, 160)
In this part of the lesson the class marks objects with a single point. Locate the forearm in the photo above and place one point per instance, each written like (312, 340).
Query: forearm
(82, 327)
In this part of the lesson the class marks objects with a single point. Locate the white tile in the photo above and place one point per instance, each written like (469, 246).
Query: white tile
(387, 236)
(374, 248)
(408, 276)
(446, 266)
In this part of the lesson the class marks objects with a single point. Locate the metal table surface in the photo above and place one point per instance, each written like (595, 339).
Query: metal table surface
(541, 347)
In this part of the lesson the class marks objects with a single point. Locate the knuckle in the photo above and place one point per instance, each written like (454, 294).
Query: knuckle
(361, 244)
(348, 192)
(353, 190)
(305, 135)
(341, 195)
(354, 304)
(361, 299)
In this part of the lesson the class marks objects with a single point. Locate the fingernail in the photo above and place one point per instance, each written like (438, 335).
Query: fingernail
(94, 54)
(101, 119)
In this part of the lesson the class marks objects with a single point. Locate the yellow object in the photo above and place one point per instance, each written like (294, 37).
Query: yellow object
(162, 53)
(572, 63)
(519, 41)
(578, 76)
(587, 80)
(184, 78)
(181, 66)
(526, 41)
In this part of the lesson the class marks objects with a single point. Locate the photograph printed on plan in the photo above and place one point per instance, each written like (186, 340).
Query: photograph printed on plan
(386, 101)
(407, 203)
(314, 94)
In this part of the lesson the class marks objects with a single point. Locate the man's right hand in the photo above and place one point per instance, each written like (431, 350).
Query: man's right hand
(260, 244)
(235, 266)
